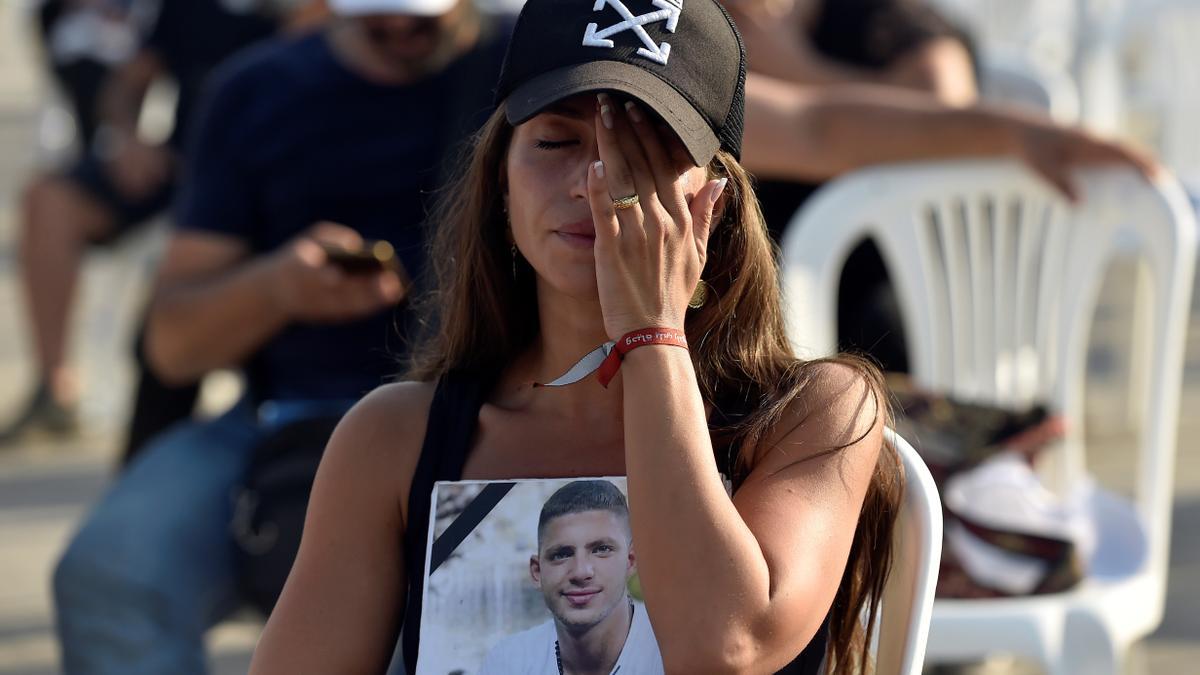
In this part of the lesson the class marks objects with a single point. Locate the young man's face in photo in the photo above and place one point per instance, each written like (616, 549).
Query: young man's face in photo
(582, 566)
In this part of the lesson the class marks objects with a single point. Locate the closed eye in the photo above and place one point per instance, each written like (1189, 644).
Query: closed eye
(554, 145)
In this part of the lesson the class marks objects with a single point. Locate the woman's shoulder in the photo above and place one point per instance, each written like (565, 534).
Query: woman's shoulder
(396, 401)
(381, 436)
(390, 415)
(838, 377)
(839, 402)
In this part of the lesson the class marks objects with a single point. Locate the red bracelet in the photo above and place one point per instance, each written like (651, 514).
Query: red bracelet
(606, 359)
(631, 341)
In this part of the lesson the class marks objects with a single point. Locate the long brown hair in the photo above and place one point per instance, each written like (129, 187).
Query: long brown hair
(481, 315)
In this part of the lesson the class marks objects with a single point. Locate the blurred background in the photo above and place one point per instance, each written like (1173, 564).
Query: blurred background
(1113, 66)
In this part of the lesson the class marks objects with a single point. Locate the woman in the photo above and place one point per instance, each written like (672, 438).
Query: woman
(602, 191)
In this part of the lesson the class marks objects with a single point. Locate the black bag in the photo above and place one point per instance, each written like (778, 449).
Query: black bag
(270, 504)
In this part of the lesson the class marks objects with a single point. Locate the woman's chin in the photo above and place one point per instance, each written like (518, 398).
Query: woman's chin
(577, 284)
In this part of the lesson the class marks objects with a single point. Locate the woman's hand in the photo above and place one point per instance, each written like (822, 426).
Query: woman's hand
(648, 256)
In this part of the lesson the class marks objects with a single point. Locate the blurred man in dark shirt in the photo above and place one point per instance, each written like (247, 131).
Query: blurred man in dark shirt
(303, 146)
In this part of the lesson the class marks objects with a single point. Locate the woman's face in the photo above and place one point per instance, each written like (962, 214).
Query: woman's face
(547, 169)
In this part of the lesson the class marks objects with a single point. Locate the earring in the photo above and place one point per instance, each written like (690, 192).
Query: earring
(699, 296)
(514, 261)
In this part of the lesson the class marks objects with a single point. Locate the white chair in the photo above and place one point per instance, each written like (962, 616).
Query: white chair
(997, 279)
(916, 550)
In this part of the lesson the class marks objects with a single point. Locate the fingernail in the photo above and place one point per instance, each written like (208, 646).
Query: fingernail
(716, 194)
(606, 116)
(635, 114)
(599, 168)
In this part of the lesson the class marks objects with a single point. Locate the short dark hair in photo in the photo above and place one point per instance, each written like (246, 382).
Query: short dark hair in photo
(583, 495)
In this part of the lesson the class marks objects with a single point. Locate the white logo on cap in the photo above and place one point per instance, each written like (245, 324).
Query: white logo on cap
(668, 10)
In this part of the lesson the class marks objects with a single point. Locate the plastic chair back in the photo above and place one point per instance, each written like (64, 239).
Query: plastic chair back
(907, 605)
(997, 280)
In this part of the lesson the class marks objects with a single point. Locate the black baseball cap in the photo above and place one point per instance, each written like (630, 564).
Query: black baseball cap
(683, 59)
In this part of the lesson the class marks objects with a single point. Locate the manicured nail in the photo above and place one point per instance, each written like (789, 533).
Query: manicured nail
(606, 116)
(605, 110)
(720, 188)
(635, 114)
(599, 168)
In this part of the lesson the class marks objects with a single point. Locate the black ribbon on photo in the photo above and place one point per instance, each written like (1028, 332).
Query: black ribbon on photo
(465, 523)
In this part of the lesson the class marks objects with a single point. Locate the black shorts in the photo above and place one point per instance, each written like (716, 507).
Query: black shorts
(91, 175)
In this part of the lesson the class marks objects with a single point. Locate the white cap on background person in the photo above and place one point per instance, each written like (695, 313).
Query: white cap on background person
(408, 7)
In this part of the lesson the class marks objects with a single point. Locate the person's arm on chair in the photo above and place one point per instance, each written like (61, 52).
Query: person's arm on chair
(815, 133)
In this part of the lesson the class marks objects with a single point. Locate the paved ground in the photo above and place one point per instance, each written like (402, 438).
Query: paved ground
(44, 487)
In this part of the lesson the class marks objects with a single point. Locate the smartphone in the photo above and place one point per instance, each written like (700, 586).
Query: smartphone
(374, 256)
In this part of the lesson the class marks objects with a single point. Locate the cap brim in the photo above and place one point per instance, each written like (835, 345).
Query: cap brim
(549, 88)
(404, 7)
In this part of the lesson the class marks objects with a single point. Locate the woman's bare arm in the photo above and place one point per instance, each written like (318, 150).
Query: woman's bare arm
(742, 585)
(339, 608)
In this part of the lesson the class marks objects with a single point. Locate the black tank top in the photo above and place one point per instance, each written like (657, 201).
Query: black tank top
(453, 416)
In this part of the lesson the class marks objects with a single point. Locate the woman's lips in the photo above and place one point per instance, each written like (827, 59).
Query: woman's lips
(581, 234)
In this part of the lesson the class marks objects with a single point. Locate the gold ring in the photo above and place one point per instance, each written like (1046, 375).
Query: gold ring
(625, 202)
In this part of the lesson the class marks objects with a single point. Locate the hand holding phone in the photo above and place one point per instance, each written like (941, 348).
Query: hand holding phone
(371, 257)
(329, 274)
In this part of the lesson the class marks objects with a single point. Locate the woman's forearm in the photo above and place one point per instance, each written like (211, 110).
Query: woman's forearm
(703, 573)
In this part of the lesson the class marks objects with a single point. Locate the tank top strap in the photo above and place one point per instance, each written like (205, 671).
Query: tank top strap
(453, 417)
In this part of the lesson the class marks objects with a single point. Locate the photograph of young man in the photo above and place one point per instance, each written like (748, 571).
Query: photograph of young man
(582, 567)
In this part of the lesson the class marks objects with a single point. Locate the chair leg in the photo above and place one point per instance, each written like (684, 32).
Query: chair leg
(1137, 661)
(1090, 650)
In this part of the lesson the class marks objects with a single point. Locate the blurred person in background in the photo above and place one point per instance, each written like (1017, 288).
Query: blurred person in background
(902, 43)
(82, 40)
(121, 180)
(838, 85)
(306, 147)
(823, 47)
